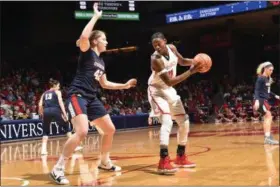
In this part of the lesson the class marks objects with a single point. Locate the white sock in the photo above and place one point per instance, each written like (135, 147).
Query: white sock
(61, 162)
(44, 147)
(267, 134)
(44, 144)
(105, 157)
(44, 161)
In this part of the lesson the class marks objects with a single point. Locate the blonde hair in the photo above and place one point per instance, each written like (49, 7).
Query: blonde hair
(93, 35)
(261, 67)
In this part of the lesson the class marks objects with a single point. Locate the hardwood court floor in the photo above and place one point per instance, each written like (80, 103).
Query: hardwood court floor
(225, 154)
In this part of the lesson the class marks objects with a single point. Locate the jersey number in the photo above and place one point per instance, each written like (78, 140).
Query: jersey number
(48, 96)
(98, 74)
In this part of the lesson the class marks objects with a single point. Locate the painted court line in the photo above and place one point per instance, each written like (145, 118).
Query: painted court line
(24, 182)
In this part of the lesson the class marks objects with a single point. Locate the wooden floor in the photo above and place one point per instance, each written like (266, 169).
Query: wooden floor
(225, 154)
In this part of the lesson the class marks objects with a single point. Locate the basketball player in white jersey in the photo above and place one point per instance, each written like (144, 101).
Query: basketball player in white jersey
(166, 103)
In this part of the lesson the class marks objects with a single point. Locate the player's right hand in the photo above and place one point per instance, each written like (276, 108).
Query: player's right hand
(131, 83)
(194, 68)
(256, 105)
(97, 13)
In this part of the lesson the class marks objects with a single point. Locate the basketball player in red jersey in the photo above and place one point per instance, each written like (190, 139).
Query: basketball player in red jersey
(164, 100)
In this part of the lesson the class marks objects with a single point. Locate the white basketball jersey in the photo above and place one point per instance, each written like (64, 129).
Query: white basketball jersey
(171, 67)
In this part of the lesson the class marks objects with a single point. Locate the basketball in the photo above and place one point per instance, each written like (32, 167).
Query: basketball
(204, 61)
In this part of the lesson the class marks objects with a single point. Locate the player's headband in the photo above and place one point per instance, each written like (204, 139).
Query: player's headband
(267, 64)
(261, 67)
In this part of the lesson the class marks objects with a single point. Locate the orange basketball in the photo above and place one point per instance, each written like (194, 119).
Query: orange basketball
(204, 61)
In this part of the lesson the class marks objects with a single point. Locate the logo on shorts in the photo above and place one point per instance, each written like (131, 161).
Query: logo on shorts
(71, 110)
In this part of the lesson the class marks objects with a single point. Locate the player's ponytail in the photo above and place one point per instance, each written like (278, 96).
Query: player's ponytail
(259, 69)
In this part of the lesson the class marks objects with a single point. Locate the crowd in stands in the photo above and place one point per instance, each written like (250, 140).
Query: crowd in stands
(233, 104)
(21, 90)
(19, 95)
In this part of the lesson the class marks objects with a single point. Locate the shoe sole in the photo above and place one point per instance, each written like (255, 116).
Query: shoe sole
(185, 166)
(271, 143)
(164, 171)
(110, 170)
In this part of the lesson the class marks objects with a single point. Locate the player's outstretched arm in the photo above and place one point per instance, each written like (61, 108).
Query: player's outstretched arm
(83, 42)
(158, 66)
(181, 60)
(116, 86)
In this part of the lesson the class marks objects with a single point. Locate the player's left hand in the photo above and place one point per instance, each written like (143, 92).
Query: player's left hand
(130, 83)
(40, 112)
(64, 117)
(277, 97)
(97, 12)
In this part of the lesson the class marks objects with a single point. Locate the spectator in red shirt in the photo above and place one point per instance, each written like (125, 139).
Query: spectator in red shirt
(19, 102)
(2, 112)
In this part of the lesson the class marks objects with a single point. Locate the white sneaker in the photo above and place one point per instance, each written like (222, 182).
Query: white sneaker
(79, 148)
(109, 166)
(57, 175)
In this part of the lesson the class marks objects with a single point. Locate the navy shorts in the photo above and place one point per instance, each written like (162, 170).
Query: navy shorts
(53, 114)
(77, 104)
(264, 106)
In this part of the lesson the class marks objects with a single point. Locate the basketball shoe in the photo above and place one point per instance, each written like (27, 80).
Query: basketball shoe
(182, 161)
(164, 166)
(57, 175)
(109, 166)
(269, 140)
